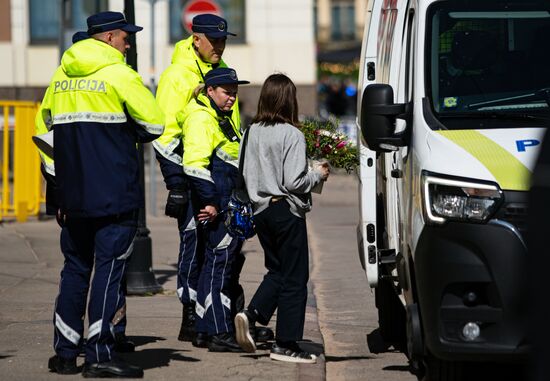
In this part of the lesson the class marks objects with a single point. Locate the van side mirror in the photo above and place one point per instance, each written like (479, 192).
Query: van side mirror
(378, 114)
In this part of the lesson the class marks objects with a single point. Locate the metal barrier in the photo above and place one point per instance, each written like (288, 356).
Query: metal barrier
(22, 188)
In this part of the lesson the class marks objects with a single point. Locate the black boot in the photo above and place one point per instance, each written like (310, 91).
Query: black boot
(201, 340)
(187, 329)
(111, 369)
(123, 344)
(223, 342)
(60, 365)
(263, 334)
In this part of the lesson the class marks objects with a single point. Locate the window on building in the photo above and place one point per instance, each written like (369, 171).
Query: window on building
(316, 20)
(232, 10)
(343, 21)
(44, 19)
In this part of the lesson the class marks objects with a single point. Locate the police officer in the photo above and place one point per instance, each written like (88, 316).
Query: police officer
(98, 109)
(122, 343)
(211, 142)
(193, 58)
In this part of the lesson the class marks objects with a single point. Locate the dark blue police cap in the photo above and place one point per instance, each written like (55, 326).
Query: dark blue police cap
(222, 76)
(79, 36)
(211, 25)
(106, 21)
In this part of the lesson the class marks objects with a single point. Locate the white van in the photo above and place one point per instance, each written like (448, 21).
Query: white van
(455, 98)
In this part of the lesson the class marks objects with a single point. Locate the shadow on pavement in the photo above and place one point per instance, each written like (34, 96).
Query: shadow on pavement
(143, 340)
(346, 358)
(399, 368)
(156, 357)
(164, 276)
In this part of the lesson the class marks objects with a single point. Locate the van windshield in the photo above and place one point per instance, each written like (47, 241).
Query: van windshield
(489, 60)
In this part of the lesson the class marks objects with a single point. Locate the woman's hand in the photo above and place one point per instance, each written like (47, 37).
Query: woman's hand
(209, 213)
(324, 168)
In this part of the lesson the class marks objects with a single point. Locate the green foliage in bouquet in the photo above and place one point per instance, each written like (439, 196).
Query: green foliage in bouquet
(323, 141)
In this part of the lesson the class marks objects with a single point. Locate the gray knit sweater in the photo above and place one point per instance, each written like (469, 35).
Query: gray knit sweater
(275, 165)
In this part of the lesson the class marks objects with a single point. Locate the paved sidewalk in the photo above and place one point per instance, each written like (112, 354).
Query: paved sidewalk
(30, 263)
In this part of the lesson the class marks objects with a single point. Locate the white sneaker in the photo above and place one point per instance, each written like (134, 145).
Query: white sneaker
(242, 332)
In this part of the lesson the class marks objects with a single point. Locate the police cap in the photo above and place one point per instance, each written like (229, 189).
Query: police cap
(211, 25)
(79, 36)
(222, 76)
(106, 21)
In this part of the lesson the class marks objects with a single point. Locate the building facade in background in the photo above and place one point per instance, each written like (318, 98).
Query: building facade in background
(339, 28)
(339, 22)
(273, 36)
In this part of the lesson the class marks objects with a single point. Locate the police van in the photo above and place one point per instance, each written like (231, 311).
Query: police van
(454, 101)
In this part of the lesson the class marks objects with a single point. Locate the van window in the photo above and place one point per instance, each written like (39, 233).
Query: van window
(488, 59)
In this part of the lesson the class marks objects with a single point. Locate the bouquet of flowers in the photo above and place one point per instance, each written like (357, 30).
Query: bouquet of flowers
(324, 142)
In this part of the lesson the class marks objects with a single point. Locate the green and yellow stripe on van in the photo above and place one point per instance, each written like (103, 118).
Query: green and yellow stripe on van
(509, 172)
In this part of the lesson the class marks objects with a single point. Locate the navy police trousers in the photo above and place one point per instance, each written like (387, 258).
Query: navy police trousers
(103, 243)
(218, 281)
(191, 256)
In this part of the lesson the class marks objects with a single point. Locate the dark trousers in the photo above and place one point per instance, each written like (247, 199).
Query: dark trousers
(119, 320)
(217, 281)
(190, 257)
(103, 245)
(283, 237)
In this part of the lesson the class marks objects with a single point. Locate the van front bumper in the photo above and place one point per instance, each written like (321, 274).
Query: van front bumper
(472, 273)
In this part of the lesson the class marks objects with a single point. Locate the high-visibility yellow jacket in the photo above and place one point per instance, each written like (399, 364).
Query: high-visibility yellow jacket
(174, 92)
(210, 159)
(98, 109)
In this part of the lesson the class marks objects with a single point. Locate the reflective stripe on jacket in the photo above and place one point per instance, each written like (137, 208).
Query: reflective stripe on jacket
(99, 109)
(174, 92)
(210, 160)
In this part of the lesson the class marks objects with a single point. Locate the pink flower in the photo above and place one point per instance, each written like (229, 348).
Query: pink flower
(342, 144)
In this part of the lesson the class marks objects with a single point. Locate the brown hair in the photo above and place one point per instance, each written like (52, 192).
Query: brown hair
(277, 103)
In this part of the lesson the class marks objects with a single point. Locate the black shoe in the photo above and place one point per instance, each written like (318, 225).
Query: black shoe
(223, 342)
(263, 334)
(187, 329)
(123, 344)
(244, 325)
(201, 340)
(60, 365)
(293, 354)
(114, 368)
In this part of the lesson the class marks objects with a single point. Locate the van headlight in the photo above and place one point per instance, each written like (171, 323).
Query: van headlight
(459, 200)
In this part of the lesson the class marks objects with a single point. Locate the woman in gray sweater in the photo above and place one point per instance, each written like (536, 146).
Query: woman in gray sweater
(279, 184)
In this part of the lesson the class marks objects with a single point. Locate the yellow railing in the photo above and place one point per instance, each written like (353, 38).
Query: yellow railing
(22, 190)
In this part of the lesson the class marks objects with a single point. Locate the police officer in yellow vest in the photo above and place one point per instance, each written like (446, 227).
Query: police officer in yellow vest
(211, 142)
(98, 109)
(193, 58)
(122, 342)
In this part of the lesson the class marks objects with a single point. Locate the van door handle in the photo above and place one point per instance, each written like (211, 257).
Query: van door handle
(396, 173)
(370, 71)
